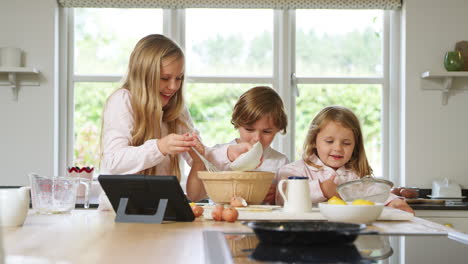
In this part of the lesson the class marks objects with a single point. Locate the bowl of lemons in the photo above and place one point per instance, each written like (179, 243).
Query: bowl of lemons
(357, 211)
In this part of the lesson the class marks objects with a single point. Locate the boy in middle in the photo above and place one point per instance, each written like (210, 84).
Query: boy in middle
(258, 115)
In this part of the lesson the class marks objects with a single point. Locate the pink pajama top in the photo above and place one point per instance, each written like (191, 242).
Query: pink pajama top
(118, 156)
(317, 175)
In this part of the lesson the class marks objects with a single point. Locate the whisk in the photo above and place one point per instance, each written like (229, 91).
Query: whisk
(209, 166)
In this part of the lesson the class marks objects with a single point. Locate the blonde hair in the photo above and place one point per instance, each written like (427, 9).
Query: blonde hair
(347, 119)
(256, 103)
(142, 81)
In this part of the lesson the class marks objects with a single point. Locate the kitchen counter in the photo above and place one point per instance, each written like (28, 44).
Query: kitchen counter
(91, 236)
(447, 206)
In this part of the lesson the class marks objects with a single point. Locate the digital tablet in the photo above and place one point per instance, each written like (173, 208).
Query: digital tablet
(146, 198)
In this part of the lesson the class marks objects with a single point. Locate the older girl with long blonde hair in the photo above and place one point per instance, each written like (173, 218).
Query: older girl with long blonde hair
(146, 126)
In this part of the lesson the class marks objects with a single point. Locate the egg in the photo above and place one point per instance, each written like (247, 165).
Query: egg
(238, 202)
(230, 214)
(217, 213)
(197, 210)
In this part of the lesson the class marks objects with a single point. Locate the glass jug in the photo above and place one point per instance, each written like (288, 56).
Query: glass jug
(55, 195)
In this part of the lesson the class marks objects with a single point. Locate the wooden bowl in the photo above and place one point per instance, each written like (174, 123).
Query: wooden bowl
(221, 186)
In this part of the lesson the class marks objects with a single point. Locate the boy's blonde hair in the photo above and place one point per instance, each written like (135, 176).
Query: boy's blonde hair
(344, 116)
(142, 80)
(256, 103)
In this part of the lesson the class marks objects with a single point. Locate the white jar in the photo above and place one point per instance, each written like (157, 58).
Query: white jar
(10, 57)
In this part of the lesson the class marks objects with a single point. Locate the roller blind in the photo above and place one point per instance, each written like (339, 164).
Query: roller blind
(278, 4)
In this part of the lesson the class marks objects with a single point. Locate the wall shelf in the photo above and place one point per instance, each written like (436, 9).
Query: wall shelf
(447, 79)
(12, 81)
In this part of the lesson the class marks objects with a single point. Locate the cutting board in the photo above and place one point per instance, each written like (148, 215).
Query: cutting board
(425, 201)
(276, 213)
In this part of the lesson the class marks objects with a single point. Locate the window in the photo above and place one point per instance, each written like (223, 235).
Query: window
(219, 43)
(336, 57)
(238, 49)
(339, 46)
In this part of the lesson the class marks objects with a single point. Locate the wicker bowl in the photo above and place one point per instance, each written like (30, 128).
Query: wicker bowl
(221, 186)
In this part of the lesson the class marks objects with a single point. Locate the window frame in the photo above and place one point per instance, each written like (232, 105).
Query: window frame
(283, 79)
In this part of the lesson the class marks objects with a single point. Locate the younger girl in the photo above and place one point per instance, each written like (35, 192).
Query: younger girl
(333, 154)
(258, 115)
(145, 123)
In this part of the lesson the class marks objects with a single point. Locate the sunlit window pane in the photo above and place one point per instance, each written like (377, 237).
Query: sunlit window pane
(229, 42)
(339, 42)
(363, 100)
(105, 37)
(89, 102)
(211, 108)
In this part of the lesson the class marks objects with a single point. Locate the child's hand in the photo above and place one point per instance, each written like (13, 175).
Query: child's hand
(402, 205)
(329, 187)
(270, 197)
(198, 146)
(234, 151)
(175, 144)
(261, 162)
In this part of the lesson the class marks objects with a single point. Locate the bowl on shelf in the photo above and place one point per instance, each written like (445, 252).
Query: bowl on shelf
(221, 186)
(351, 213)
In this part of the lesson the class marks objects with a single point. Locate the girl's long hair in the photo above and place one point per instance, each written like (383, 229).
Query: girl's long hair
(344, 116)
(142, 81)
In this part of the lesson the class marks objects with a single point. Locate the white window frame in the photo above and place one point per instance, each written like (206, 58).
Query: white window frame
(283, 79)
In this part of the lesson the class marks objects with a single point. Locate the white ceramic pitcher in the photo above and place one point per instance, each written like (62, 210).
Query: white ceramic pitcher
(14, 205)
(297, 199)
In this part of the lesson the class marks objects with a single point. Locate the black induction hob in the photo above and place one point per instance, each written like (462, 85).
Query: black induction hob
(407, 249)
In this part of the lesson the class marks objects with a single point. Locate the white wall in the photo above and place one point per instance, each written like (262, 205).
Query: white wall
(27, 125)
(435, 136)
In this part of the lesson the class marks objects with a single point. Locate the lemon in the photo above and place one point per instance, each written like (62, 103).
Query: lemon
(362, 202)
(336, 200)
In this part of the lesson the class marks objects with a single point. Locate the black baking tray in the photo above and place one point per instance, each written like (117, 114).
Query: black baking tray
(306, 232)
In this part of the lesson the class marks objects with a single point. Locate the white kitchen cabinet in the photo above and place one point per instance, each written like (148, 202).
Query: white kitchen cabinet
(457, 219)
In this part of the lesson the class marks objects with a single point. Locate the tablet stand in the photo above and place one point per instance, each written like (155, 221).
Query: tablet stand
(157, 218)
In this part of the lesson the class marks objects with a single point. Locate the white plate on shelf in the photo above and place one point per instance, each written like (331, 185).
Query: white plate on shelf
(446, 198)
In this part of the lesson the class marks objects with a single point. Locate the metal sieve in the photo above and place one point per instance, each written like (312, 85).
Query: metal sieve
(367, 188)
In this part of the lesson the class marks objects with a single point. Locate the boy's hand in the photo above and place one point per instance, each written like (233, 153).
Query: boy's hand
(234, 151)
(270, 197)
(261, 162)
(329, 187)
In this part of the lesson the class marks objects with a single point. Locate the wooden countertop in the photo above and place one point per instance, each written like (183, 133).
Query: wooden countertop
(91, 236)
